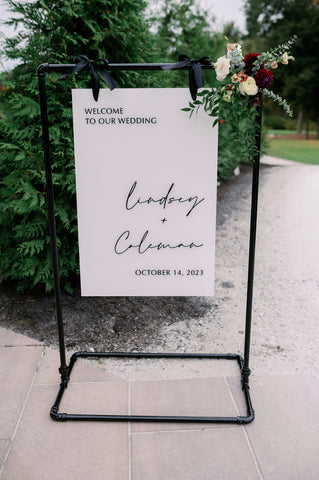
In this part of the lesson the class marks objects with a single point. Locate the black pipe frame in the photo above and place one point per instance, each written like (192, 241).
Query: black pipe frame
(65, 370)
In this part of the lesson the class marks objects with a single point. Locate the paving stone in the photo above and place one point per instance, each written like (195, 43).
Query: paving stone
(234, 384)
(4, 445)
(83, 370)
(47, 450)
(189, 455)
(9, 338)
(197, 397)
(48, 371)
(109, 398)
(17, 368)
(285, 433)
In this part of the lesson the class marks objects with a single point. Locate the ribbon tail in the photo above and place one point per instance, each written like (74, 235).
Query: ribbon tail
(109, 80)
(198, 75)
(192, 83)
(95, 82)
(196, 79)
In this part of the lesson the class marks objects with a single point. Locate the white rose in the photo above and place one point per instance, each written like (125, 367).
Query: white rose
(222, 67)
(284, 58)
(248, 87)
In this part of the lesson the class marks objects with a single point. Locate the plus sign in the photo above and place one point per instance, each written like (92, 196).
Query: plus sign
(163, 220)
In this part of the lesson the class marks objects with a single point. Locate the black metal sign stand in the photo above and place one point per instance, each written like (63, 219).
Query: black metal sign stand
(65, 370)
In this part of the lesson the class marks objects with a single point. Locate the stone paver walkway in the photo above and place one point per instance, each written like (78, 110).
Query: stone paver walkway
(282, 442)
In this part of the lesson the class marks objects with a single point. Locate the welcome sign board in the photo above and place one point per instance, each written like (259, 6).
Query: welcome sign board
(146, 193)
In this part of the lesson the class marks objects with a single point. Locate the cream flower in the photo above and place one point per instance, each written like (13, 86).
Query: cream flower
(231, 46)
(274, 64)
(248, 87)
(227, 97)
(222, 67)
(235, 78)
(284, 59)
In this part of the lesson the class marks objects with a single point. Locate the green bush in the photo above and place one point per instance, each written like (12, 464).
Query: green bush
(54, 32)
(57, 31)
(236, 140)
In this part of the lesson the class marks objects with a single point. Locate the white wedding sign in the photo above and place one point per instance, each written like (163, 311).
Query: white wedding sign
(146, 193)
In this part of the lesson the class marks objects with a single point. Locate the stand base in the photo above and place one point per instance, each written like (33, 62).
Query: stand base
(66, 372)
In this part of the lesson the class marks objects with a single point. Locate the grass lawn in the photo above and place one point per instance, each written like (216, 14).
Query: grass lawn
(285, 132)
(304, 151)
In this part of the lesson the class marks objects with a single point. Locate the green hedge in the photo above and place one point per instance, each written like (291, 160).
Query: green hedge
(56, 32)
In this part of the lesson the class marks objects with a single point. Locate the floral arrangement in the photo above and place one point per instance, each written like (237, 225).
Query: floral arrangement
(242, 78)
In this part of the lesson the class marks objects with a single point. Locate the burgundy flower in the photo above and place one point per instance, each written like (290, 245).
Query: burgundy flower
(264, 78)
(256, 102)
(249, 60)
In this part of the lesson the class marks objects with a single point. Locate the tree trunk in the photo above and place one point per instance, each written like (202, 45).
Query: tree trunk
(307, 127)
(299, 122)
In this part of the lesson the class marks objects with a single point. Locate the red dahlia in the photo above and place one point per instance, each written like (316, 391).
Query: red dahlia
(264, 78)
(249, 60)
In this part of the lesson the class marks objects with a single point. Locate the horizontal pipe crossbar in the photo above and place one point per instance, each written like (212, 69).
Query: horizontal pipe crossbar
(63, 68)
(218, 356)
(239, 420)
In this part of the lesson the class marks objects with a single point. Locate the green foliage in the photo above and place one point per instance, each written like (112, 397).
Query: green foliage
(54, 32)
(275, 120)
(273, 21)
(237, 128)
(236, 98)
(230, 30)
(57, 31)
(282, 102)
(184, 27)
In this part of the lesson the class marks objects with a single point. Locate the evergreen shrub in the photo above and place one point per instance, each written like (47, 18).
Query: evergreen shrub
(54, 31)
(57, 31)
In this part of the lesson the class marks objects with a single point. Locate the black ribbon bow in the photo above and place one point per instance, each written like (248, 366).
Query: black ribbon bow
(96, 66)
(195, 72)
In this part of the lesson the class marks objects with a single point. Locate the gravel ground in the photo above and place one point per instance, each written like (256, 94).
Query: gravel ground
(285, 316)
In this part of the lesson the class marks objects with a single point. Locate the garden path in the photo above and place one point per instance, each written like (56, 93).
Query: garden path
(285, 330)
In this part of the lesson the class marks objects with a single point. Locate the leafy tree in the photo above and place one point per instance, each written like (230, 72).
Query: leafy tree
(185, 27)
(230, 30)
(54, 31)
(274, 21)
